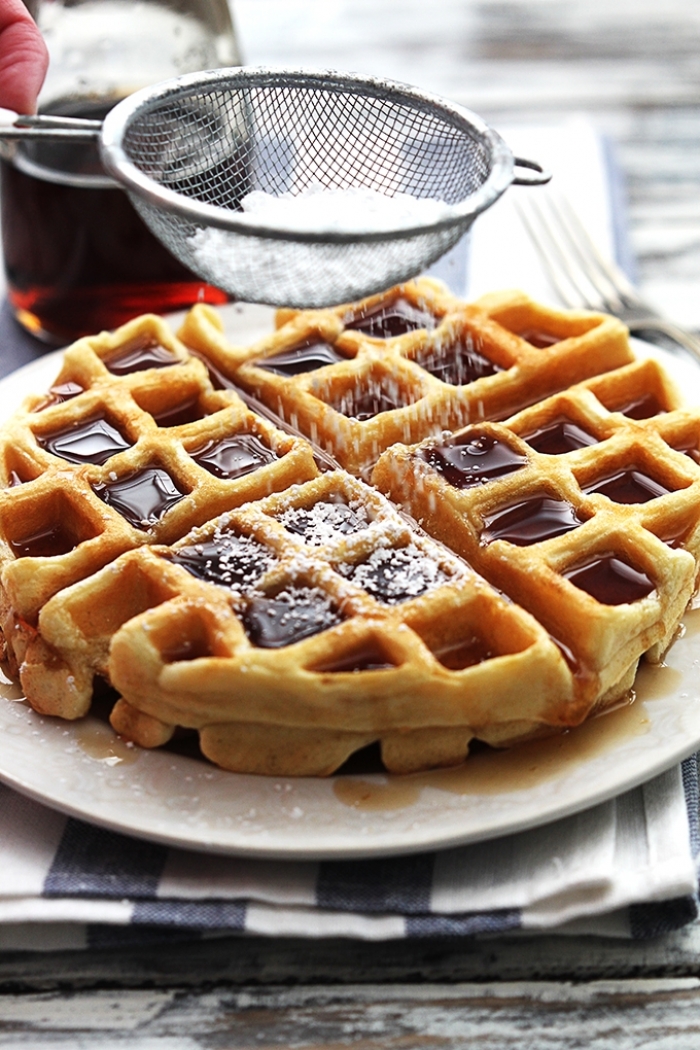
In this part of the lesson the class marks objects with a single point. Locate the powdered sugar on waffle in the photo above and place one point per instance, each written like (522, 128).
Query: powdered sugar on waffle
(323, 522)
(396, 574)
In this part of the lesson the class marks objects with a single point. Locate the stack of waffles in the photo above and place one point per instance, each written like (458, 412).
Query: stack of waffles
(220, 531)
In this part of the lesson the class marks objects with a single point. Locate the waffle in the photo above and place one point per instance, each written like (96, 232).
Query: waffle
(295, 630)
(584, 509)
(290, 617)
(409, 363)
(131, 446)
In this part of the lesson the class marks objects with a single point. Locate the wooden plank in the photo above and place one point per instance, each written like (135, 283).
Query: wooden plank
(623, 1015)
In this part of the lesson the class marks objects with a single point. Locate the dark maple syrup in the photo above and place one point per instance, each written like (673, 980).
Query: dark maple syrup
(228, 560)
(389, 320)
(180, 415)
(321, 523)
(467, 652)
(610, 580)
(394, 575)
(369, 658)
(139, 356)
(92, 441)
(369, 401)
(473, 458)
(559, 436)
(645, 407)
(143, 497)
(539, 338)
(689, 447)
(300, 359)
(459, 364)
(59, 393)
(234, 456)
(628, 486)
(218, 379)
(47, 542)
(531, 521)
(290, 616)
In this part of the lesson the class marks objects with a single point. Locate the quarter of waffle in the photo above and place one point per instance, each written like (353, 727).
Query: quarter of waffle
(409, 363)
(297, 629)
(132, 445)
(584, 509)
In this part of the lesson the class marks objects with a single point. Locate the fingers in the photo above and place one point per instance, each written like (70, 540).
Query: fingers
(23, 58)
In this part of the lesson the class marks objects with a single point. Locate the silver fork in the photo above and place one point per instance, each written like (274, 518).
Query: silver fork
(584, 279)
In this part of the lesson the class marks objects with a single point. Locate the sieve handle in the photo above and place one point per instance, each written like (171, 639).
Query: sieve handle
(538, 175)
(43, 126)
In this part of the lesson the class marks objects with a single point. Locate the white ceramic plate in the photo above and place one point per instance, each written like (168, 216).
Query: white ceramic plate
(84, 770)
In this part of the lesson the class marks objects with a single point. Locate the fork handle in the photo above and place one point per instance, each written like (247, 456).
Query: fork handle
(667, 335)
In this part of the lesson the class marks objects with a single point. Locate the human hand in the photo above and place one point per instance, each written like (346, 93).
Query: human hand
(23, 58)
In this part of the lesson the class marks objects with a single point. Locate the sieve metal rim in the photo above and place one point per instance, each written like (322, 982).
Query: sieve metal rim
(123, 115)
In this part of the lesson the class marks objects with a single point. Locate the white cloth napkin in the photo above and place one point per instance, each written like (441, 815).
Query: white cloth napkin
(624, 868)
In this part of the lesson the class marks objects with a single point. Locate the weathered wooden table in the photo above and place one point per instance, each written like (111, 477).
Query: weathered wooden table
(634, 66)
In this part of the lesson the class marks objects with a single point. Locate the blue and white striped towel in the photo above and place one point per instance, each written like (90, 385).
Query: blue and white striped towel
(624, 868)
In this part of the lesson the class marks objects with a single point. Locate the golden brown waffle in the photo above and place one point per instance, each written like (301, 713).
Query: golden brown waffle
(297, 629)
(132, 445)
(409, 363)
(291, 617)
(578, 509)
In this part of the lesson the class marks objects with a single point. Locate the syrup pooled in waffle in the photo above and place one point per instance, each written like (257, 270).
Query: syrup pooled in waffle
(409, 363)
(584, 509)
(131, 445)
(295, 630)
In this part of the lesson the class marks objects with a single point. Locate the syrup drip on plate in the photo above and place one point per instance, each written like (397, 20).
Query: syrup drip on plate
(473, 459)
(142, 498)
(234, 456)
(503, 772)
(92, 441)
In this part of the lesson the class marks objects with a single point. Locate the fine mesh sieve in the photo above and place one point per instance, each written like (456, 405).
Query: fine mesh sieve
(188, 150)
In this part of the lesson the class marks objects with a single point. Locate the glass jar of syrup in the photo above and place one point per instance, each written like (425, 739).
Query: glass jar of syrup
(77, 256)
